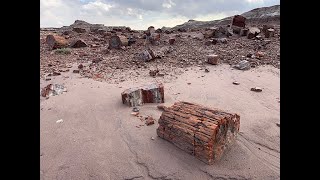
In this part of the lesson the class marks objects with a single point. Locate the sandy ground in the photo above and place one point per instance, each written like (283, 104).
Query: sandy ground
(98, 138)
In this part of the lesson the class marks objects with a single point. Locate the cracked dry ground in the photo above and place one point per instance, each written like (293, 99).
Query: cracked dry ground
(100, 139)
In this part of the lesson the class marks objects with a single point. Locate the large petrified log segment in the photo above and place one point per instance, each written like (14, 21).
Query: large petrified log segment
(200, 131)
(116, 41)
(152, 93)
(239, 21)
(56, 41)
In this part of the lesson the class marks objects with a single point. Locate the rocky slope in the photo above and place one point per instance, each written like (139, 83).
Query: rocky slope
(256, 16)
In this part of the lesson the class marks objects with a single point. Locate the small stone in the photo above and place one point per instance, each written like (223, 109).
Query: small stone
(206, 70)
(256, 89)
(80, 66)
(278, 124)
(135, 113)
(135, 109)
(152, 138)
(236, 83)
(213, 59)
(188, 83)
(56, 74)
(76, 71)
(149, 121)
(48, 79)
(249, 55)
(59, 121)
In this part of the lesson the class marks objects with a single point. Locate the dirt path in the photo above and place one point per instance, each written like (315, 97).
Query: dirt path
(98, 138)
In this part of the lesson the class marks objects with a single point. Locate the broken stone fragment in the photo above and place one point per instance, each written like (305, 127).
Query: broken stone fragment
(52, 90)
(79, 43)
(266, 27)
(56, 73)
(269, 33)
(239, 21)
(256, 89)
(172, 40)
(147, 55)
(243, 65)
(117, 41)
(135, 113)
(153, 72)
(222, 40)
(213, 59)
(244, 32)
(253, 32)
(152, 93)
(56, 42)
(149, 121)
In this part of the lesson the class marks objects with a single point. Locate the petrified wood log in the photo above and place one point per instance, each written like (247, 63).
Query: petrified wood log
(201, 131)
(117, 41)
(56, 42)
(152, 93)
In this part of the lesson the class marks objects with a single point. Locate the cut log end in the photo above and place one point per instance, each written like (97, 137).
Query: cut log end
(200, 131)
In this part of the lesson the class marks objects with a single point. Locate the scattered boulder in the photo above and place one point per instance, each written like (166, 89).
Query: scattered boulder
(152, 93)
(153, 73)
(56, 42)
(269, 33)
(171, 40)
(244, 32)
(239, 21)
(243, 65)
(53, 90)
(146, 55)
(213, 59)
(149, 120)
(117, 41)
(266, 27)
(253, 32)
(79, 43)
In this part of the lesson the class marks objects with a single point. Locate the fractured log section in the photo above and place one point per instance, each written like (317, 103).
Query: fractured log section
(200, 131)
(152, 93)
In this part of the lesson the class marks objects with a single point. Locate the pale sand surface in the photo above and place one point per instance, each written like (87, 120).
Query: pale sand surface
(98, 138)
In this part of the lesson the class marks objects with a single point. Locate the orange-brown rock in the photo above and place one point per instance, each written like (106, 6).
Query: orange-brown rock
(56, 41)
(201, 131)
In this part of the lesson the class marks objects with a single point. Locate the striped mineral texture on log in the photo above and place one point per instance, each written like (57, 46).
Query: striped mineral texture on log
(200, 131)
(152, 93)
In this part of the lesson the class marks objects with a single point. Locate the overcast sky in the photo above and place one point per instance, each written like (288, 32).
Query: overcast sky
(140, 14)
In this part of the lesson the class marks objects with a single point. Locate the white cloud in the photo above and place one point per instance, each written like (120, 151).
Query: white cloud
(97, 5)
(255, 1)
(168, 4)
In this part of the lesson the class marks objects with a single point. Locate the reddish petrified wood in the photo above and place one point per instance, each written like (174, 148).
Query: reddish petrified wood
(56, 41)
(239, 21)
(201, 131)
(152, 93)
